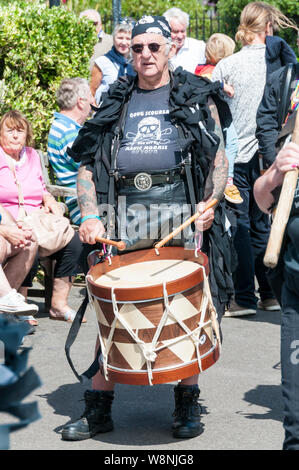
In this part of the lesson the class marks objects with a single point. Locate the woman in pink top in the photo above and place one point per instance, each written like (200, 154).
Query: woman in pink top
(20, 165)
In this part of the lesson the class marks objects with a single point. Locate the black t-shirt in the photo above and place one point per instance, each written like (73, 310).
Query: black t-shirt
(291, 256)
(150, 139)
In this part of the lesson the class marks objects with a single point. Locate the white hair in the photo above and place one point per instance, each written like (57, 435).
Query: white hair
(177, 13)
(92, 15)
(70, 90)
(126, 27)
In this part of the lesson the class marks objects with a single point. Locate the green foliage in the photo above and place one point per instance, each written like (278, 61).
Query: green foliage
(38, 47)
(135, 8)
(230, 11)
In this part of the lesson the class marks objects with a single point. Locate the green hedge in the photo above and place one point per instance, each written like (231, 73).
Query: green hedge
(135, 8)
(38, 47)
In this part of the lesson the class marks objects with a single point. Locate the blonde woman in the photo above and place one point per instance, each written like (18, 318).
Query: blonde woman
(246, 72)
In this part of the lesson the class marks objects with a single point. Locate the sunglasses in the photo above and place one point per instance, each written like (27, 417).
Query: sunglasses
(152, 46)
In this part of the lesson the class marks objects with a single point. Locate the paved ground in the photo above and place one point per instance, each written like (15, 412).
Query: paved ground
(240, 395)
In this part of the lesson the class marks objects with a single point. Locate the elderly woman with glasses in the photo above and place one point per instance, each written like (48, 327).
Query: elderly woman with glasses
(20, 168)
(113, 64)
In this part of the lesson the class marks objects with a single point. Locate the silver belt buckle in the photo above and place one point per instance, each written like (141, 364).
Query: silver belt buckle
(143, 181)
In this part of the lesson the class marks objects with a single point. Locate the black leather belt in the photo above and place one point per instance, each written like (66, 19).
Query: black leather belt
(144, 181)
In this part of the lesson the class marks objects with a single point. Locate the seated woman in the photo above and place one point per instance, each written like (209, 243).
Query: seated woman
(20, 165)
(17, 252)
(114, 64)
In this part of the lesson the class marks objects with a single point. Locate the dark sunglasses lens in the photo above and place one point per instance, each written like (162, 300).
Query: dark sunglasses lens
(154, 47)
(137, 48)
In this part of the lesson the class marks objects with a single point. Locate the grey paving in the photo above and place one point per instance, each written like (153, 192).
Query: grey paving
(240, 394)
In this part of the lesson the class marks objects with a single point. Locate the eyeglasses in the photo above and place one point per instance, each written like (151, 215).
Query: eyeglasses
(152, 46)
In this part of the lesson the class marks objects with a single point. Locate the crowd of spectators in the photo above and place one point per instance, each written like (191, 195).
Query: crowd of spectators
(251, 81)
(216, 60)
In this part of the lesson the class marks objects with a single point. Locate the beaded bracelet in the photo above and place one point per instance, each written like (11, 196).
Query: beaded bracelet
(91, 216)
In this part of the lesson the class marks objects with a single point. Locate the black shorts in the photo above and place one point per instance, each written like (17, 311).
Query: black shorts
(67, 261)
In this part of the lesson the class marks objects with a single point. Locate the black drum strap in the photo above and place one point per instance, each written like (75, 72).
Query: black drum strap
(72, 335)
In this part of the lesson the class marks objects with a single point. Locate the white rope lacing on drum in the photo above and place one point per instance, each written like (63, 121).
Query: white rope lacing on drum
(149, 350)
(146, 349)
(104, 353)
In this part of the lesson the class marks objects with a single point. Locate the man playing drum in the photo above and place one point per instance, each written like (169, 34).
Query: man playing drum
(146, 135)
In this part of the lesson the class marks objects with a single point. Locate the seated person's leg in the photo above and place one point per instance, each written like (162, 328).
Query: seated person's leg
(66, 268)
(15, 263)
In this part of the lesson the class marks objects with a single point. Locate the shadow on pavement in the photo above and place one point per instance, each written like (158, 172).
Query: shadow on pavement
(266, 396)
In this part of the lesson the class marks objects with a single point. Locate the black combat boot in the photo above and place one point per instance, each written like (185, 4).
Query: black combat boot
(187, 412)
(95, 419)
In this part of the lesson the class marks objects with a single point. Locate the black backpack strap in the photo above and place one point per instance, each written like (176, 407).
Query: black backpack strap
(187, 163)
(285, 97)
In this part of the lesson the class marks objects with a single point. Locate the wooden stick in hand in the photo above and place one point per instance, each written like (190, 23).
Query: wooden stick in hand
(119, 245)
(283, 209)
(187, 222)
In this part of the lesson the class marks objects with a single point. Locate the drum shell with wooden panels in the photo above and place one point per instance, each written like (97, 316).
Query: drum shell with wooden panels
(128, 339)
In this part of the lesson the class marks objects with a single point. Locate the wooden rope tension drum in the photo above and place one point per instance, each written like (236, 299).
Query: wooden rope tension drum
(156, 319)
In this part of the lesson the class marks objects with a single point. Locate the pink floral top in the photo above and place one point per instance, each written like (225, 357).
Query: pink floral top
(29, 175)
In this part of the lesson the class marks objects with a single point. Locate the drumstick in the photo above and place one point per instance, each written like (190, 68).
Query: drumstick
(119, 245)
(283, 209)
(185, 224)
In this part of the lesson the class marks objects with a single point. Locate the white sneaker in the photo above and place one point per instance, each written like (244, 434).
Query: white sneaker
(14, 302)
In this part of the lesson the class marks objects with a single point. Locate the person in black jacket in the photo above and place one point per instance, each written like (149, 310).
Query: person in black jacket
(279, 110)
(287, 279)
(278, 54)
(167, 117)
(273, 109)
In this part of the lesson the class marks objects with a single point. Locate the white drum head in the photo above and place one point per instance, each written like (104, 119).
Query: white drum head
(147, 273)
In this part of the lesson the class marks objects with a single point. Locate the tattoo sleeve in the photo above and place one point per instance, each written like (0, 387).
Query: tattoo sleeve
(220, 170)
(87, 198)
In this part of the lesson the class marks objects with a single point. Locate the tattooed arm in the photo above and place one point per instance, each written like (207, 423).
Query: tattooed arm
(217, 178)
(87, 200)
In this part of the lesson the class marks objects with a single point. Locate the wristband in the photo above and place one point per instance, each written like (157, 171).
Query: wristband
(90, 217)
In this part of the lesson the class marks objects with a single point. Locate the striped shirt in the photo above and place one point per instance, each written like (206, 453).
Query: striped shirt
(63, 132)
